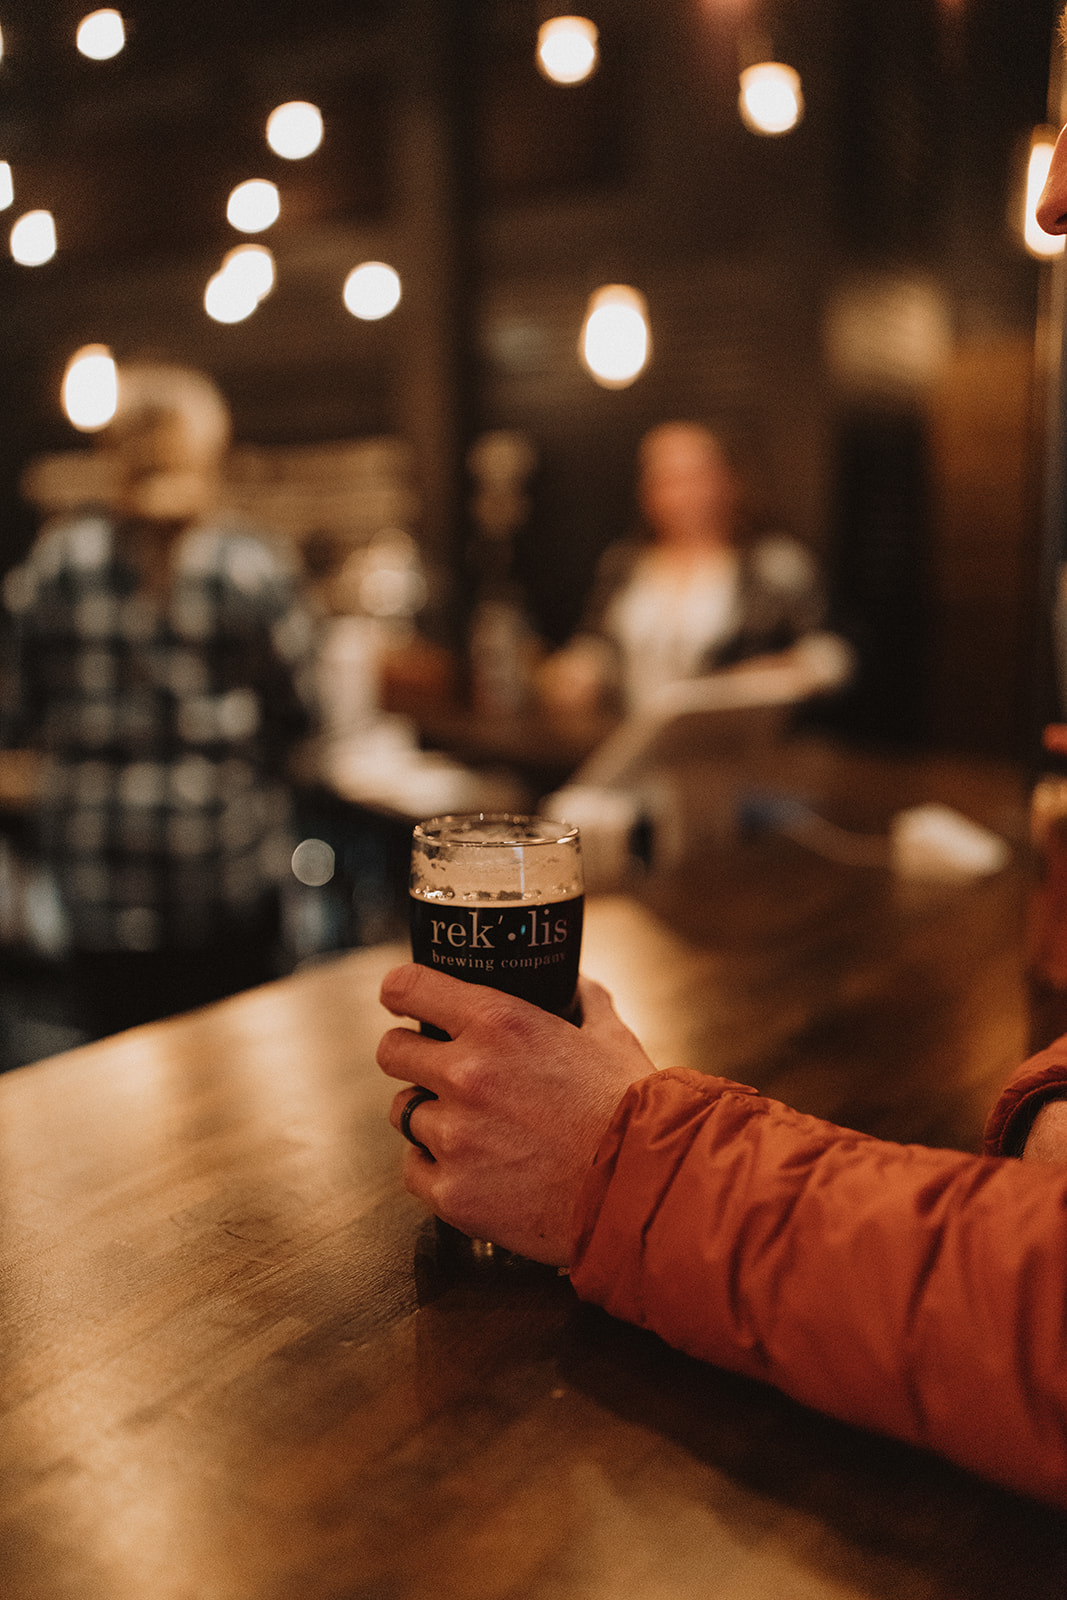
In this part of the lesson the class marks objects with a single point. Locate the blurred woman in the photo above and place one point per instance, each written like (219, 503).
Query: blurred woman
(691, 596)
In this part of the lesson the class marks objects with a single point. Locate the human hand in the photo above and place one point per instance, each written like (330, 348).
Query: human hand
(524, 1100)
(1047, 1139)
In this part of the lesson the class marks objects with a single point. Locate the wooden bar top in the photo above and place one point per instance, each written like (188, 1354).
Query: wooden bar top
(237, 1361)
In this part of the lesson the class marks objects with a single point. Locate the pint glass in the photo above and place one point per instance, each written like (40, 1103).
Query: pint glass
(498, 899)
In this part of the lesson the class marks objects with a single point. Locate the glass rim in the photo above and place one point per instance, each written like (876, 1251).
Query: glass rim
(448, 829)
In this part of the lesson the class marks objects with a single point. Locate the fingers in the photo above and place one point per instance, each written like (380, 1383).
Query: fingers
(429, 996)
(597, 1004)
(406, 1105)
(455, 1006)
(407, 1055)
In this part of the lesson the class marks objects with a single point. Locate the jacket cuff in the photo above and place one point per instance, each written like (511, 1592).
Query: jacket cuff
(1042, 1078)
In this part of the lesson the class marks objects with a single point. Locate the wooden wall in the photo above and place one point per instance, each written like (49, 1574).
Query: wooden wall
(984, 569)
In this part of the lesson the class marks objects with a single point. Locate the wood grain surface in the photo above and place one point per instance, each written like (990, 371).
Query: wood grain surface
(236, 1360)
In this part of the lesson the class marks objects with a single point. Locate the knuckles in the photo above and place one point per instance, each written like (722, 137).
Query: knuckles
(509, 1022)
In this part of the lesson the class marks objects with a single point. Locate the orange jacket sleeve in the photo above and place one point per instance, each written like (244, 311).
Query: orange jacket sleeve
(1043, 1077)
(921, 1293)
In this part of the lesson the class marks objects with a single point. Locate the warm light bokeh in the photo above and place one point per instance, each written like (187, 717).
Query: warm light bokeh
(253, 265)
(245, 278)
(372, 290)
(567, 49)
(253, 205)
(90, 388)
(313, 863)
(770, 101)
(229, 298)
(1039, 243)
(615, 342)
(101, 35)
(294, 130)
(33, 238)
(7, 187)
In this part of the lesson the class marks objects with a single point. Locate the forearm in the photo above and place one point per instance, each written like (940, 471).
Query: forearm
(917, 1292)
(1037, 1082)
(1047, 1139)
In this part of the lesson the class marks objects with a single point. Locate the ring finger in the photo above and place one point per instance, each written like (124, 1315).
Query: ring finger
(405, 1105)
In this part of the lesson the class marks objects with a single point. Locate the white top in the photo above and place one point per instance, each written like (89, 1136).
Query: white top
(667, 618)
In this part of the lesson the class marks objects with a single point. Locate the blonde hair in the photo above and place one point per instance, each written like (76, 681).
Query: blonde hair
(151, 389)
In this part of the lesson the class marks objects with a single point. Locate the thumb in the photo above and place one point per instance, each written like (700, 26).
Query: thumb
(597, 1005)
(599, 1015)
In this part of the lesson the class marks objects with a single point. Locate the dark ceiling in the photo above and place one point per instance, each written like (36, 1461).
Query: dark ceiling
(137, 154)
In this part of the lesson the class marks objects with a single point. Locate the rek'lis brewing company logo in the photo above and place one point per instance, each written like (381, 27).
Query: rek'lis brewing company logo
(529, 950)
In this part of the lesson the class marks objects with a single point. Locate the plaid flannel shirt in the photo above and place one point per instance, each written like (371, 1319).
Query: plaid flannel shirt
(166, 726)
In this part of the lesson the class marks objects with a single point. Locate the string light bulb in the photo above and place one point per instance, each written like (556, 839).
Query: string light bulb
(101, 34)
(228, 298)
(90, 388)
(1040, 244)
(253, 205)
(372, 291)
(33, 238)
(568, 49)
(770, 101)
(615, 342)
(245, 278)
(251, 264)
(294, 130)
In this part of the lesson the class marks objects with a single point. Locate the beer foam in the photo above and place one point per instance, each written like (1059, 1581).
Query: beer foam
(495, 858)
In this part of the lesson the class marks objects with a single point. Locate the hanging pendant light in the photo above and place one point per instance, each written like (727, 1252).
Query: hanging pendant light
(568, 49)
(615, 342)
(294, 130)
(33, 238)
(372, 291)
(101, 35)
(770, 101)
(253, 205)
(90, 388)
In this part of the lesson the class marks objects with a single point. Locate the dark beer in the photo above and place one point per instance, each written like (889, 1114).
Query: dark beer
(527, 950)
(497, 900)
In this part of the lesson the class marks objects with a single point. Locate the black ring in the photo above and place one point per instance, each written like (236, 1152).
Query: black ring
(417, 1098)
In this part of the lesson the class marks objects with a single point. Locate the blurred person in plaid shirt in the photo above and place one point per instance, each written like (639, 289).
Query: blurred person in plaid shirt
(162, 667)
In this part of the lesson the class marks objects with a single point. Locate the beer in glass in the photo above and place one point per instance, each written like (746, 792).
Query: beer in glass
(497, 899)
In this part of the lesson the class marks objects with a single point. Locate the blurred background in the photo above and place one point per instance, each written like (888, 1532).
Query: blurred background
(852, 297)
(806, 217)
